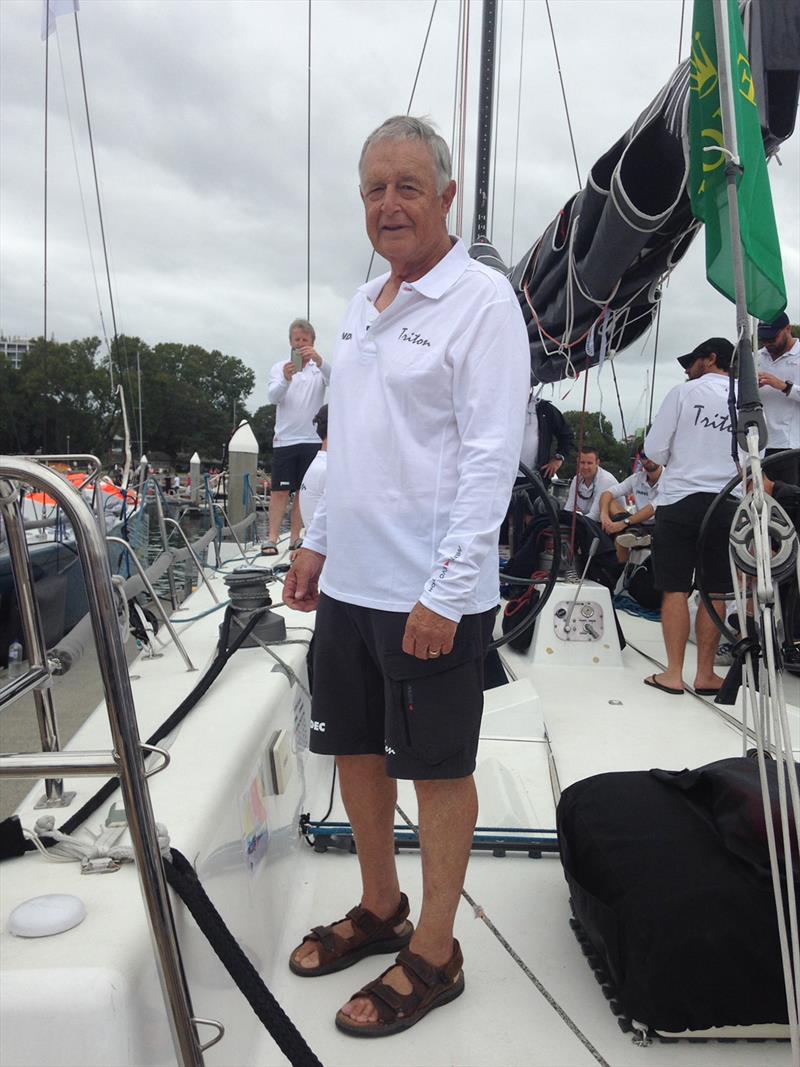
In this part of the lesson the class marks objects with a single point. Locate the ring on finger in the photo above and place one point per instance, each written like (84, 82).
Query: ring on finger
(434, 655)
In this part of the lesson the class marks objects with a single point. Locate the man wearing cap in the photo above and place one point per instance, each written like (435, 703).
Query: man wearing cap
(691, 438)
(779, 383)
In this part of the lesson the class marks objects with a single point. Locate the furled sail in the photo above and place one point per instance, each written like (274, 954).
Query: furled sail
(591, 284)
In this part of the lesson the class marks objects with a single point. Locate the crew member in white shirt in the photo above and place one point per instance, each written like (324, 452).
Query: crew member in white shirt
(691, 437)
(427, 410)
(314, 479)
(634, 529)
(591, 482)
(298, 393)
(779, 382)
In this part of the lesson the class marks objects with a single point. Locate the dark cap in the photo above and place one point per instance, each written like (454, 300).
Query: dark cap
(720, 345)
(769, 330)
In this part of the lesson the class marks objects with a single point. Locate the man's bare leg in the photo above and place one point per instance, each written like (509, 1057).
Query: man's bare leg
(448, 811)
(675, 625)
(369, 797)
(297, 521)
(278, 502)
(707, 643)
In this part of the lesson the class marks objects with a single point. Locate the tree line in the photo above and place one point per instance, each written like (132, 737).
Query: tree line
(61, 399)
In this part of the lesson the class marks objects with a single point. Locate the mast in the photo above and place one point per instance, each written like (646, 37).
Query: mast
(485, 105)
(750, 408)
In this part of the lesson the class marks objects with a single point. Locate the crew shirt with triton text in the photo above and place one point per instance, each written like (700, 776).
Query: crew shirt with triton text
(691, 437)
(426, 412)
(297, 401)
(782, 410)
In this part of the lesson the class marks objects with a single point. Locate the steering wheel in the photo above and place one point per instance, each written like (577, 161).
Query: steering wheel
(783, 539)
(532, 483)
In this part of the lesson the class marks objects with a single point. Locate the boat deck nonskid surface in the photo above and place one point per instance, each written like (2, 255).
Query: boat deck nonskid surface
(530, 997)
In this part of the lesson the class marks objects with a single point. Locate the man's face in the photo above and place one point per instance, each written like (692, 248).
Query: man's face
(588, 465)
(780, 343)
(649, 466)
(300, 338)
(404, 213)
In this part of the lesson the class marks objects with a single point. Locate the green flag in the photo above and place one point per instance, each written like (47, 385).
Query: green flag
(763, 271)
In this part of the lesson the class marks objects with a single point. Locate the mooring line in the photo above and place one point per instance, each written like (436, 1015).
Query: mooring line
(480, 913)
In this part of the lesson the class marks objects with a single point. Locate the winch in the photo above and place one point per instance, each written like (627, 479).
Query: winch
(248, 592)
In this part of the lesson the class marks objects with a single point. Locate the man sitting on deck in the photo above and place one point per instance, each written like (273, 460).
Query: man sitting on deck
(631, 530)
(691, 436)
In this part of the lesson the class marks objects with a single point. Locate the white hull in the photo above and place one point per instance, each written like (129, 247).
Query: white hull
(91, 996)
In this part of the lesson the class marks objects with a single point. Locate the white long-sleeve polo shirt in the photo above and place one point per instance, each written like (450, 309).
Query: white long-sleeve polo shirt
(782, 410)
(426, 412)
(297, 402)
(589, 496)
(691, 437)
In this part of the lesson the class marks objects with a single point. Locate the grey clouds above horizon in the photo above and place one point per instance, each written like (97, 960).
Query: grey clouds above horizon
(199, 119)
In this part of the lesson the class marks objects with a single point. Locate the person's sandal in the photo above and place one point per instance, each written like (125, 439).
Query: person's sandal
(432, 987)
(371, 935)
(269, 548)
(295, 545)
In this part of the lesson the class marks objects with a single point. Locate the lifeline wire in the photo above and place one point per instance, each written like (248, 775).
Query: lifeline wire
(563, 93)
(551, 1000)
(410, 99)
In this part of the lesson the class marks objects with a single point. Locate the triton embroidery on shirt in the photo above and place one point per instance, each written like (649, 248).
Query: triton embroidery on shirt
(724, 426)
(413, 338)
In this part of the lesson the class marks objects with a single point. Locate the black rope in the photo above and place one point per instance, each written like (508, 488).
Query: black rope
(182, 878)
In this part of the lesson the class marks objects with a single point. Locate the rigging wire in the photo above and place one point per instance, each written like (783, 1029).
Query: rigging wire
(308, 177)
(490, 220)
(516, 147)
(97, 194)
(456, 83)
(563, 93)
(46, 109)
(619, 401)
(680, 33)
(410, 99)
(82, 198)
(653, 378)
(462, 146)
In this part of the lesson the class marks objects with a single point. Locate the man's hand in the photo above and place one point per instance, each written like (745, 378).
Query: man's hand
(301, 588)
(764, 378)
(612, 528)
(310, 355)
(549, 469)
(289, 371)
(428, 635)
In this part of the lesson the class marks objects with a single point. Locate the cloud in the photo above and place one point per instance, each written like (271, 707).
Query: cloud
(199, 118)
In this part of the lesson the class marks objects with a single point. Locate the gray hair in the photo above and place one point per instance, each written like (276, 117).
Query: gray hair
(408, 128)
(303, 324)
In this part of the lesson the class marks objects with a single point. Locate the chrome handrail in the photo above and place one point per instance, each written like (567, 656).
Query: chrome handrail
(173, 590)
(122, 719)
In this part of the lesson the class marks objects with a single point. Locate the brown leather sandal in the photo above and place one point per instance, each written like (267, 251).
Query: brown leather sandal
(371, 935)
(432, 987)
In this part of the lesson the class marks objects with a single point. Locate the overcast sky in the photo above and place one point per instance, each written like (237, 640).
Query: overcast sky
(198, 110)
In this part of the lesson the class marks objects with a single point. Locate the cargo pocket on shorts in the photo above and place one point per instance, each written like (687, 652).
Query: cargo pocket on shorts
(435, 706)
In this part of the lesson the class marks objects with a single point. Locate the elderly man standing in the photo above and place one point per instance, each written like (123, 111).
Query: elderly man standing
(427, 409)
(298, 392)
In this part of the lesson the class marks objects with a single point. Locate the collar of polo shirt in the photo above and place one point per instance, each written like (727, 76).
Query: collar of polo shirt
(433, 284)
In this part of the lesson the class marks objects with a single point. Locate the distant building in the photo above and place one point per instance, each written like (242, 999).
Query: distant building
(12, 349)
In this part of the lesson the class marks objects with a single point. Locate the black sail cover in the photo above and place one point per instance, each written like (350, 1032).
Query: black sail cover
(591, 284)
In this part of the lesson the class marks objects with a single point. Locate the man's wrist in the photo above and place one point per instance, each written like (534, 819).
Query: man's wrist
(787, 388)
(558, 456)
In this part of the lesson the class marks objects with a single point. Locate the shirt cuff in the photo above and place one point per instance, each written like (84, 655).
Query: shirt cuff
(445, 610)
